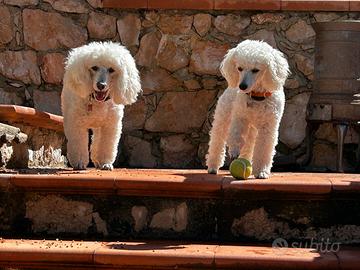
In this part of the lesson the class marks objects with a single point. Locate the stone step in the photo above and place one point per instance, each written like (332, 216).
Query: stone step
(52, 254)
(31, 116)
(45, 144)
(183, 183)
(179, 204)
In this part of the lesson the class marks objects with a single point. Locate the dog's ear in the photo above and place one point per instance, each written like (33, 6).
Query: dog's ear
(77, 77)
(128, 82)
(229, 70)
(279, 69)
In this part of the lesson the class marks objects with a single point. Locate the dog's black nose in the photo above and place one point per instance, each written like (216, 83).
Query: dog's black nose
(100, 85)
(243, 86)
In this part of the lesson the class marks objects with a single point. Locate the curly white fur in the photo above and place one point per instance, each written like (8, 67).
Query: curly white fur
(112, 66)
(249, 127)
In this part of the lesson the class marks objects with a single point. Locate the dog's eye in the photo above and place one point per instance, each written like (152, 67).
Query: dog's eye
(94, 68)
(254, 70)
(240, 69)
(111, 70)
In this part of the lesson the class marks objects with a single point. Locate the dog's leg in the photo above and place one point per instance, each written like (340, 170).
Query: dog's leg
(95, 146)
(235, 137)
(241, 138)
(216, 155)
(219, 132)
(265, 149)
(107, 146)
(77, 146)
(247, 149)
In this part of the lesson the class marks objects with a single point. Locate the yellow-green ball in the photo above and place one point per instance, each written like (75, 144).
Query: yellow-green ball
(240, 168)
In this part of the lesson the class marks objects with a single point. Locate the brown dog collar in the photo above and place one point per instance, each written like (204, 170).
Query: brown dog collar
(259, 96)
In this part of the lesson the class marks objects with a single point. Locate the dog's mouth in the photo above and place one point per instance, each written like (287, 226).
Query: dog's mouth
(100, 95)
(246, 91)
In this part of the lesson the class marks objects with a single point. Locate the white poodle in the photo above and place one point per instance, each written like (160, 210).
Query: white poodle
(248, 113)
(100, 78)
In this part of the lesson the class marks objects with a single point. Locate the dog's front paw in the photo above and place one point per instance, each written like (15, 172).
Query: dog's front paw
(212, 171)
(107, 167)
(263, 175)
(79, 166)
(78, 159)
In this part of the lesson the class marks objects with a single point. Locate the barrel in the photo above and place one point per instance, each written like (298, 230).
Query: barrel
(337, 72)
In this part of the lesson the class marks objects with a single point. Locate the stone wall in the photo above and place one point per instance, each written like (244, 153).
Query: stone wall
(178, 54)
(112, 217)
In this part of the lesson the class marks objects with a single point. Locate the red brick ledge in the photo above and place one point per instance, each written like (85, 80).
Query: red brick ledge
(30, 116)
(184, 183)
(59, 254)
(284, 5)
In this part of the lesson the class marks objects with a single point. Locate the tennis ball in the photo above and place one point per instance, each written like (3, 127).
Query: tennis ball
(240, 168)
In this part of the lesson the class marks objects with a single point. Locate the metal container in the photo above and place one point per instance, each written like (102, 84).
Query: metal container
(337, 72)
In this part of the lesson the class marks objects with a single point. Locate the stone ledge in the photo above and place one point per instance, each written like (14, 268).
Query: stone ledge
(183, 183)
(286, 5)
(166, 255)
(309, 5)
(125, 182)
(182, 4)
(247, 5)
(30, 116)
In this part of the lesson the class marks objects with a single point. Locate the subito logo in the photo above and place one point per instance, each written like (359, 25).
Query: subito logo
(280, 243)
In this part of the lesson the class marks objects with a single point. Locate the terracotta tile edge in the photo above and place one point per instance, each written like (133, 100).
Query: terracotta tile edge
(31, 116)
(248, 5)
(354, 5)
(284, 5)
(127, 4)
(337, 188)
(317, 5)
(5, 182)
(16, 256)
(220, 187)
(63, 184)
(18, 252)
(196, 5)
(163, 188)
(316, 188)
(93, 184)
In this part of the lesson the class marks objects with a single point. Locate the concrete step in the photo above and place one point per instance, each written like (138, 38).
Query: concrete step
(179, 205)
(52, 254)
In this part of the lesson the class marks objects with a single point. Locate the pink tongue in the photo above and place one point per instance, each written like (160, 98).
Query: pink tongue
(100, 95)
